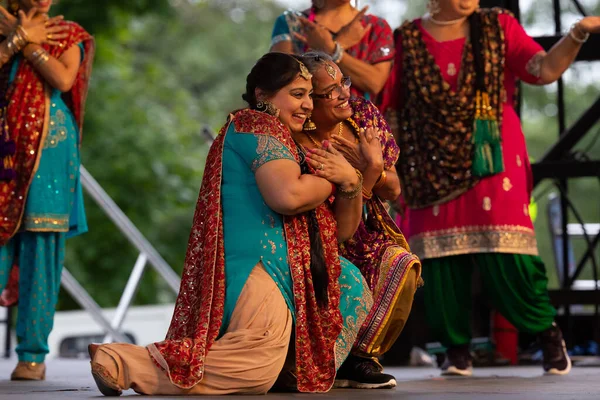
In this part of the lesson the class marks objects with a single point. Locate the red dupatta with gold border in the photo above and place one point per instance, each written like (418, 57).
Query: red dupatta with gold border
(27, 117)
(199, 308)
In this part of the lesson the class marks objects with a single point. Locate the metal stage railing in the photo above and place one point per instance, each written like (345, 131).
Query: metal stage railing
(148, 254)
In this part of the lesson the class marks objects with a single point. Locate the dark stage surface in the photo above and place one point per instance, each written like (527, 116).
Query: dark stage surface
(70, 379)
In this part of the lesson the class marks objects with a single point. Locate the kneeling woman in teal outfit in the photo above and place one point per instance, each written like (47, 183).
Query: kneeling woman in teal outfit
(262, 268)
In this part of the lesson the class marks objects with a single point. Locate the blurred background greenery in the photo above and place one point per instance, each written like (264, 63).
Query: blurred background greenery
(166, 68)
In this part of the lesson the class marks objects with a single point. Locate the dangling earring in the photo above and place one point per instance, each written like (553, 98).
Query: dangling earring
(433, 6)
(14, 6)
(309, 125)
(318, 3)
(268, 108)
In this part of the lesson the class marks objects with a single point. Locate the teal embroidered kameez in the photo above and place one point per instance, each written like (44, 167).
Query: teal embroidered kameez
(253, 232)
(53, 212)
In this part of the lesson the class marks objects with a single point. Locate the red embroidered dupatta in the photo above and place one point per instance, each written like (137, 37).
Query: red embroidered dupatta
(27, 117)
(199, 308)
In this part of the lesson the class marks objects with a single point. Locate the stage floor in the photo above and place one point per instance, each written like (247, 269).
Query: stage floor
(70, 379)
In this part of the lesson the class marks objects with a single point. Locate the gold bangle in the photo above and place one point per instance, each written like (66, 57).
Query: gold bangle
(351, 194)
(15, 42)
(367, 195)
(23, 33)
(381, 180)
(39, 57)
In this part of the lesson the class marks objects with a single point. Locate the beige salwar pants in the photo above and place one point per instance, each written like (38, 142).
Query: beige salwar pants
(247, 359)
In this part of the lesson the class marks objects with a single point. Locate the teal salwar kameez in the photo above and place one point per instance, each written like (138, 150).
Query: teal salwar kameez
(53, 212)
(253, 232)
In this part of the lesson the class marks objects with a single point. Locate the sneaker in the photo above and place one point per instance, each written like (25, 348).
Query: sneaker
(458, 362)
(554, 349)
(363, 373)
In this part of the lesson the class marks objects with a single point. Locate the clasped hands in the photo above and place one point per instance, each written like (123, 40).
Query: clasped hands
(38, 28)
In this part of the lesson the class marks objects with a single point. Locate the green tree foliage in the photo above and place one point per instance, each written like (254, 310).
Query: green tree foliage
(158, 79)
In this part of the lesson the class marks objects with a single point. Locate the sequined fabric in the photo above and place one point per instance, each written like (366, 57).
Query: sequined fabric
(28, 116)
(436, 122)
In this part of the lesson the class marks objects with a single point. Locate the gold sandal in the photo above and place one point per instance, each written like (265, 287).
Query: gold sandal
(29, 371)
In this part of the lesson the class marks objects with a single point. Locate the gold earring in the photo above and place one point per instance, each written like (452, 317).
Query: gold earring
(309, 125)
(268, 108)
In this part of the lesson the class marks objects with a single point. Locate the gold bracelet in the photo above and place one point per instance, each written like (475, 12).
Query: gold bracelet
(15, 42)
(367, 195)
(23, 33)
(381, 180)
(351, 194)
(39, 57)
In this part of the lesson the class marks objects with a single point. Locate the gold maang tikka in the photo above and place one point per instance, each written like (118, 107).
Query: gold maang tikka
(330, 70)
(304, 71)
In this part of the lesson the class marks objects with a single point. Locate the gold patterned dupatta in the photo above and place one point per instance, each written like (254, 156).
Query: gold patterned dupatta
(199, 308)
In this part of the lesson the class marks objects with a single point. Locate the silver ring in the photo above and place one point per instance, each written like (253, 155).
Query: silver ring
(321, 167)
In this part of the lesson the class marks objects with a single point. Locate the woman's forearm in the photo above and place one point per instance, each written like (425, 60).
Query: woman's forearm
(390, 190)
(55, 72)
(370, 174)
(367, 77)
(348, 213)
(309, 193)
(560, 56)
(287, 191)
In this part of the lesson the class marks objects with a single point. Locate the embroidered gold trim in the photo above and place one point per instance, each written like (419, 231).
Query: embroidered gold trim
(46, 223)
(475, 239)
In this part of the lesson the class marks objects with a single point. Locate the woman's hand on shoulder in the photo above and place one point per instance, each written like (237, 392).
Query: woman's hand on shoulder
(333, 166)
(41, 29)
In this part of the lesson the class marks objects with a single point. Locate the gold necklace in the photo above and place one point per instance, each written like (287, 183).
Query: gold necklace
(312, 139)
(355, 129)
(340, 131)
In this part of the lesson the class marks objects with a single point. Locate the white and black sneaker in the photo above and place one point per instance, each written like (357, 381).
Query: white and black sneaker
(554, 349)
(363, 373)
(458, 362)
